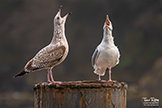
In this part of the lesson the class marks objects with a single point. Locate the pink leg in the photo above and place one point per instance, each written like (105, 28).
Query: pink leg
(109, 75)
(48, 72)
(99, 77)
(51, 75)
(53, 78)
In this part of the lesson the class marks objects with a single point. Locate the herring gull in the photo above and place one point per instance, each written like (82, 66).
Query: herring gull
(106, 55)
(53, 54)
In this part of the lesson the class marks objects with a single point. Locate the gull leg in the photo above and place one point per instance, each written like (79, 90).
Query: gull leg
(48, 78)
(50, 71)
(109, 75)
(53, 78)
(99, 77)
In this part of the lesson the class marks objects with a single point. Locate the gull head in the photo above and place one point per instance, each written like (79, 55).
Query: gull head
(107, 24)
(58, 20)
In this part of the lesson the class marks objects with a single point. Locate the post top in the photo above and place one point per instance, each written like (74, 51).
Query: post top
(83, 84)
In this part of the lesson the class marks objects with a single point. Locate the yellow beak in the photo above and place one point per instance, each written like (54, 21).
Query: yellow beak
(107, 21)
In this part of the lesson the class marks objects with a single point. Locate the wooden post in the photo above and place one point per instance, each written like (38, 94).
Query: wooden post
(80, 94)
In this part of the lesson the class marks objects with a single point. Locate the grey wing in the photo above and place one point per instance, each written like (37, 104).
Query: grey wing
(94, 56)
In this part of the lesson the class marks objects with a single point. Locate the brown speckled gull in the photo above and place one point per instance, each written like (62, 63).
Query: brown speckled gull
(53, 54)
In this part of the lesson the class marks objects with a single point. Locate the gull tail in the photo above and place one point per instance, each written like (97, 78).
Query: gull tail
(101, 72)
(22, 73)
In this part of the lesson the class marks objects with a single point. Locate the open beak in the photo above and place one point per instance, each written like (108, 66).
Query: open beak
(67, 15)
(107, 21)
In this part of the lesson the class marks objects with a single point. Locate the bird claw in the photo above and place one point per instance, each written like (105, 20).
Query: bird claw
(103, 80)
(49, 81)
(99, 80)
(57, 82)
(112, 81)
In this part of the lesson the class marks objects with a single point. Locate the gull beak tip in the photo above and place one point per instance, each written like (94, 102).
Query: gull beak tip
(70, 13)
(107, 21)
(60, 6)
(107, 18)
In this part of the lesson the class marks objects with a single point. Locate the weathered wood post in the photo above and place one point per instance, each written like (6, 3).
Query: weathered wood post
(80, 94)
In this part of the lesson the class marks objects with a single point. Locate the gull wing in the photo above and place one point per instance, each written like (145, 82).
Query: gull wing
(95, 56)
(47, 57)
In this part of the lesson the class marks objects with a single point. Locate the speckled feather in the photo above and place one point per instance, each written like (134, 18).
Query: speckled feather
(48, 57)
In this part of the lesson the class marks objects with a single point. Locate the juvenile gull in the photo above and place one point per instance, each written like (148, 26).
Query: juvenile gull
(53, 54)
(106, 55)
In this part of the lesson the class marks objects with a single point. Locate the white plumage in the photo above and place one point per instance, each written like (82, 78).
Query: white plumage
(53, 54)
(106, 55)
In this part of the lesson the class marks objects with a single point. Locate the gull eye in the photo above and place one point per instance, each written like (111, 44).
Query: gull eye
(58, 18)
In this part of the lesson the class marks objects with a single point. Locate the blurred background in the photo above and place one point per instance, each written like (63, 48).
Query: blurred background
(26, 26)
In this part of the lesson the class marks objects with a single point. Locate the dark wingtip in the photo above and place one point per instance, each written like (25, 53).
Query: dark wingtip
(22, 73)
